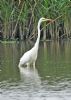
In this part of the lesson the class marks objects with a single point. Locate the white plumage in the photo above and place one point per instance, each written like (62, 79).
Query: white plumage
(30, 56)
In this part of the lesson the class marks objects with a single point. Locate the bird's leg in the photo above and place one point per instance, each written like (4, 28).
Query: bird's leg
(28, 65)
(34, 65)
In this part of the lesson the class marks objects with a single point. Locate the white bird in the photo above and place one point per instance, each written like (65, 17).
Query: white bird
(30, 56)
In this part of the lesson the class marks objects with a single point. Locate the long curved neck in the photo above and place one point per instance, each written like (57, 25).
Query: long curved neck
(38, 38)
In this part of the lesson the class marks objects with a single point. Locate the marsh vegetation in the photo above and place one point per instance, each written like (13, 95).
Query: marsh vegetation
(18, 19)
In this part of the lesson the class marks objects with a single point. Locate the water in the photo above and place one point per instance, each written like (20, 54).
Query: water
(50, 80)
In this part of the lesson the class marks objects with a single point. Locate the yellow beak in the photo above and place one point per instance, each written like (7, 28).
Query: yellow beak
(49, 20)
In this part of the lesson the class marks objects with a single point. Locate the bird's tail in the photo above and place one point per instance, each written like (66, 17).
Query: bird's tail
(19, 65)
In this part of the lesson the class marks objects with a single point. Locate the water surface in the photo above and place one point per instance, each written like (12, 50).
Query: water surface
(50, 80)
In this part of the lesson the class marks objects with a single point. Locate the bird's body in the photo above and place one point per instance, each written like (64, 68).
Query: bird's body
(30, 56)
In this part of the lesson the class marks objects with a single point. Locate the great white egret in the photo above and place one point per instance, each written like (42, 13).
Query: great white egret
(30, 56)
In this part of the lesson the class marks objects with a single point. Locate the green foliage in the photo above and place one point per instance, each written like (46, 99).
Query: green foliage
(32, 10)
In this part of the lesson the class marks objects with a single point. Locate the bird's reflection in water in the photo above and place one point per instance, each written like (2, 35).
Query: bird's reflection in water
(30, 76)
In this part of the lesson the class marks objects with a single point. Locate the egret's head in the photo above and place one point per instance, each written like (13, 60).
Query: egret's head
(44, 19)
